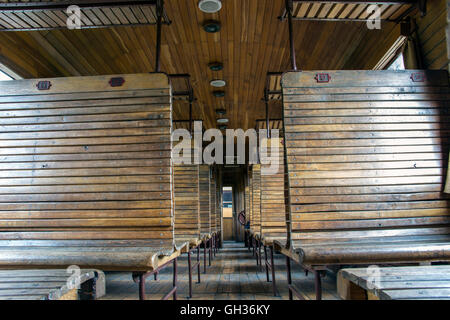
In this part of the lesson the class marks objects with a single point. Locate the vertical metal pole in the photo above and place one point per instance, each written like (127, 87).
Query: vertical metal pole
(289, 9)
(175, 278)
(318, 285)
(259, 253)
(198, 263)
(266, 100)
(256, 252)
(210, 251)
(190, 115)
(141, 287)
(272, 268)
(266, 261)
(159, 13)
(289, 279)
(205, 242)
(190, 272)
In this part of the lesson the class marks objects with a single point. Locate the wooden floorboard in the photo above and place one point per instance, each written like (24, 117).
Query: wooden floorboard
(233, 275)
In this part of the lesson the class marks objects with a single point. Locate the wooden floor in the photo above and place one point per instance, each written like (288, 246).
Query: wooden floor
(232, 275)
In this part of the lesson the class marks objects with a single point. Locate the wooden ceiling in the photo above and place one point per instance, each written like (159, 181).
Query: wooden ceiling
(252, 41)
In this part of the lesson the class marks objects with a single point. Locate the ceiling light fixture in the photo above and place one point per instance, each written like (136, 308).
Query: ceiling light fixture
(219, 94)
(211, 26)
(218, 83)
(221, 112)
(215, 66)
(210, 6)
(222, 120)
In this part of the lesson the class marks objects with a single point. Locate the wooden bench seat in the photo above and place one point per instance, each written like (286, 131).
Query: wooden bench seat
(109, 256)
(48, 284)
(366, 155)
(187, 225)
(86, 174)
(206, 234)
(367, 252)
(272, 202)
(395, 283)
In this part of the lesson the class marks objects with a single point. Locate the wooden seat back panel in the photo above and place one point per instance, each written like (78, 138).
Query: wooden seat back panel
(213, 201)
(187, 201)
(205, 205)
(255, 223)
(273, 209)
(367, 154)
(85, 160)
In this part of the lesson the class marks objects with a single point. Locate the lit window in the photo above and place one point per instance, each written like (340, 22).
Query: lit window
(4, 76)
(397, 64)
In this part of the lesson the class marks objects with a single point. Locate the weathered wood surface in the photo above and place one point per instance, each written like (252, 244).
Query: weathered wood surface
(85, 172)
(250, 200)
(213, 201)
(399, 283)
(273, 209)
(51, 284)
(219, 204)
(187, 203)
(205, 204)
(366, 154)
(255, 223)
(247, 199)
(91, 17)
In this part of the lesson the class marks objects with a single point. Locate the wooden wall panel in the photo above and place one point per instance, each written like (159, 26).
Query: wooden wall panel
(84, 160)
(187, 201)
(366, 151)
(205, 205)
(273, 209)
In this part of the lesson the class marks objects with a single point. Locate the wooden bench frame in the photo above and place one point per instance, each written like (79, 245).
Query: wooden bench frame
(392, 283)
(139, 277)
(91, 253)
(311, 258)
(267, 241)
(194, 246)
(270, 265)
(318, 271)
(207, 247)
(48, 284)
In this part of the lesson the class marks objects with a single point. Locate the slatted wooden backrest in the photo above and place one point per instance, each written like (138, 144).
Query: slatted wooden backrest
(256, 198)
(86, 158)
(247, 198)
(187, 201)
(273, 209)
(366, 153)
(205, 205)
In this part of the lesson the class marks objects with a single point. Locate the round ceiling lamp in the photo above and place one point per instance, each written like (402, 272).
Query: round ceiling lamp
(222, 120)
(215, 66)
(221, 112)
(211, 26)
(218, 83)
(210, 6)
(219, 94)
